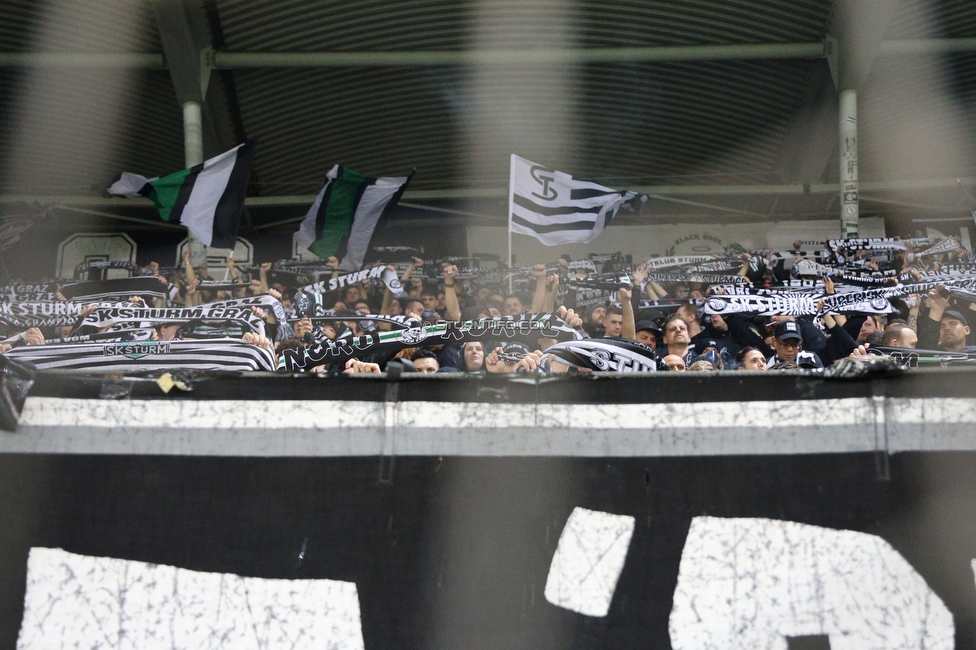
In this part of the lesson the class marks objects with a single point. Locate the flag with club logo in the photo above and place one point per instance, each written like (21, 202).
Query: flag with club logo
(557, 209)
(207, 198)
(346, 213)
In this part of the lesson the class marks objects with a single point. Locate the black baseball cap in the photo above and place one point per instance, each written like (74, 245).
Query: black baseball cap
(516, 349)
(957, 315)
(647, 325)
(788, 329)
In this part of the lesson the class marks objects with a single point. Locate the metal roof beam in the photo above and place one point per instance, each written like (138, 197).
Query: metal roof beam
(501, 193)
(231, 60)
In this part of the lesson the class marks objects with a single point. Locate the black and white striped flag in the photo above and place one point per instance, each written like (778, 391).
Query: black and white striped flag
(557, 209)
(141, 356)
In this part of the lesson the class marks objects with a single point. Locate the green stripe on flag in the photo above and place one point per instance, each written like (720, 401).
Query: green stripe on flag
(166, 190)
(338, 213)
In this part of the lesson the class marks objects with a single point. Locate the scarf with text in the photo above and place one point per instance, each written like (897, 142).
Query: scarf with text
(605, 355)
(112, 316)
(531, 327)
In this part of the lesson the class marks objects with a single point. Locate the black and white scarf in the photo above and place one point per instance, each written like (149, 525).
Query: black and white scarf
(141, 356)
(116, 289)
(112, 316)
(529, 327)
(606, 355)
(867, 244)
(24, 315)
(84, 267)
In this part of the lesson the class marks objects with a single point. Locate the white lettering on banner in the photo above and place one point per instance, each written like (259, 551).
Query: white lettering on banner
(80, 601)
(746, 584)
(588, 560)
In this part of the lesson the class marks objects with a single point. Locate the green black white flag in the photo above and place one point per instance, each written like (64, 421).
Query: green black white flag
(207, 198)
(346, 213)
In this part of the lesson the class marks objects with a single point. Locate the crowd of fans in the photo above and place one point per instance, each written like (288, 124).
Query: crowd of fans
(669, 317)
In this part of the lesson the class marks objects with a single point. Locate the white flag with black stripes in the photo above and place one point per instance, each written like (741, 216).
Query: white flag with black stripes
(557, 209)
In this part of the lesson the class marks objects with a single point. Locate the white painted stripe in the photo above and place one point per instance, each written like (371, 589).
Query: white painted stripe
(365, 428)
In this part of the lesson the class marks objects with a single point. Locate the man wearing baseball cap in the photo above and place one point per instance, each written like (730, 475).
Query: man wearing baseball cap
(953, 332)
(648, 333)
(943, 328)
(788, 343)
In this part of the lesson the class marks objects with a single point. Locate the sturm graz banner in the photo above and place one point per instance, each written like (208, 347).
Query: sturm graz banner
(530, 327)
(141, 356)
(605, 355)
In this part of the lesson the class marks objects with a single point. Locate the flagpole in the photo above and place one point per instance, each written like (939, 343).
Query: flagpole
(193, 155)
(510, 256)
(511, 191)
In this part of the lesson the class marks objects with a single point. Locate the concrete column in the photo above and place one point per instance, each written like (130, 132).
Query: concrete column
(848, 164)
(193, 133)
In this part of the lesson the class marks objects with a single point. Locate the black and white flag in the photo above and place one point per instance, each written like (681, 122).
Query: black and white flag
(557, 209)
(606, 355)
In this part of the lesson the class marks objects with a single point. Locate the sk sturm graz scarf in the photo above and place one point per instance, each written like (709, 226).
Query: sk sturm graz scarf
(398, 322)
(530, 327)
(606, 355)
(947, 245)
(107, 317)
(343, 281)
(697, 278)
(878, 244)
(602, 281)
(141, 356)
(684, 260)
(912, 358)
(84, 267)
(24, 315)
(785, 304)
(266, 302)
(118, 289)
(840, 301)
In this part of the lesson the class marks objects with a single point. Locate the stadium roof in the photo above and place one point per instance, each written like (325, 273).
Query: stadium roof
(718, 108)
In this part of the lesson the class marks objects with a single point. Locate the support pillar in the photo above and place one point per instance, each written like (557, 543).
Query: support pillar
(849, 218)
(192, 133)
